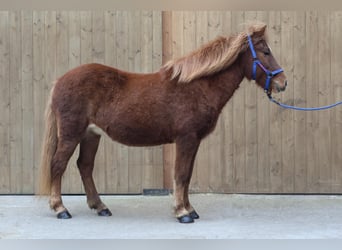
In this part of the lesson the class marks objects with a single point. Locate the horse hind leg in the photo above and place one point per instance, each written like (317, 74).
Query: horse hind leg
(88, 148)
(64, 151)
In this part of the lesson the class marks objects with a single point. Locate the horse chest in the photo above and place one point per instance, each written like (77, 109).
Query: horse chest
(201, 121)
(206, 124)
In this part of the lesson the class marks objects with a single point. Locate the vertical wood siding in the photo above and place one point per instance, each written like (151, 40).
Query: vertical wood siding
(36, 47)
(256, 147)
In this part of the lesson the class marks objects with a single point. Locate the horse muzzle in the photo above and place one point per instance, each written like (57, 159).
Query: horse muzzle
(279, 86)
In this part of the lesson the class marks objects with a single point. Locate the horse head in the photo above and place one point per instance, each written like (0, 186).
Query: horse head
(260, 64)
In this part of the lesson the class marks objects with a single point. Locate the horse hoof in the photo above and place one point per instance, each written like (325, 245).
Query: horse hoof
(64, 215)
(105, 212)
(194, 215)
(185, 219)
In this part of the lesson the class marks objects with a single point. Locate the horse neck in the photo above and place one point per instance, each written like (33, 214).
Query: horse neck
(223, 84)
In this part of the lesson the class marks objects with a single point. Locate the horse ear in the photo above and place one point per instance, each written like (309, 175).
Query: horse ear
(261, 31)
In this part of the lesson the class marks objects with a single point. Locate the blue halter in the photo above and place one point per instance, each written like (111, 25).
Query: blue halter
(269, 75)
(256, 62)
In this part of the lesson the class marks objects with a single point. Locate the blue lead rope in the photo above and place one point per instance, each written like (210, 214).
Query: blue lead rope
(303, 109)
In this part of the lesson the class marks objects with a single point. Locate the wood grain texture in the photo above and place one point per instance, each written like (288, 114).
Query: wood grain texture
(256, 147)
(15, 102)
(239, 125)
(37, 47)
(287, 126)
(312, 67)
(4, 103)
(299, 87)
(336, 84)
(251, 107)
(275, 147)
(263, 131)
(28, 166)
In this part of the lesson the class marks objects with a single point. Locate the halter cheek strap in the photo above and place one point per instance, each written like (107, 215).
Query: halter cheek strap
(256, 62)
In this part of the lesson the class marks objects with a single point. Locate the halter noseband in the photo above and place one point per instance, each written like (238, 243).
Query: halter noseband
(256, 61)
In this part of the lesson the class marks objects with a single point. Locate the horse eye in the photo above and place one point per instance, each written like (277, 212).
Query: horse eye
(267, 52)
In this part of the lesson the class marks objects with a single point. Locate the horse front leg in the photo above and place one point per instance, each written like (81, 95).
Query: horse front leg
(186, 149)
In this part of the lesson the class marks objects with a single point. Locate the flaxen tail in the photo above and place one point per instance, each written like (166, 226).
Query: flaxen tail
(48, 150)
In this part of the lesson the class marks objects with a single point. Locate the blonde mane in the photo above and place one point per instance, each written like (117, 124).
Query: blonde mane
(211, 57)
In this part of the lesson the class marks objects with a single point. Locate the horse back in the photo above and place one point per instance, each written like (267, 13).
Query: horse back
(122, 104)
(95, 85)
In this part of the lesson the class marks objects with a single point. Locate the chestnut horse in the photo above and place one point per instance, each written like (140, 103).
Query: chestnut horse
(178, 104)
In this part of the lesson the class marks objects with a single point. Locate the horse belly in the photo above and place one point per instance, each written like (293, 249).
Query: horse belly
(133, 136)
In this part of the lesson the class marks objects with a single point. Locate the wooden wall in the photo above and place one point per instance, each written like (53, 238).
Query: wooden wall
(257, 147)
(37, 47)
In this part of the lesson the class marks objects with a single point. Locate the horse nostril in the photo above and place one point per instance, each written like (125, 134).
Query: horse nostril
(285, 83)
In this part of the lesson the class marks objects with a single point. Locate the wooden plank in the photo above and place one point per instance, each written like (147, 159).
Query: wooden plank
(324, 145)
(4, 103)
(38, 80)
(275, 112)
(50, 39)
(177, 34)
(336, 121)
(134, 34)
(226, 140)
(189, 44)
(49, 59)
(214, 160)
(15, 143)
(62, 66)
(62, 43)
(338, 96)
(286, 61)
(166, 36)
(157, 40)
(135, 155)
(157, 50)
(86, 37)
(86, 44)
(200, 181)
(110, 59)
(74, 54)
(74, 39)
(312, 100)
(98, 52)
(299, 88)
(189, 31)
(251, 147)
(98, 30)
(263, 128)
(146, 40)
(149, 19)
(121, 162)
(239, 135)
(28, 165)
(168, 149)
(176, 49)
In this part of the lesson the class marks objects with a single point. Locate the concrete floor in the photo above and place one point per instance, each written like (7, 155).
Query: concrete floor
(222, 216)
